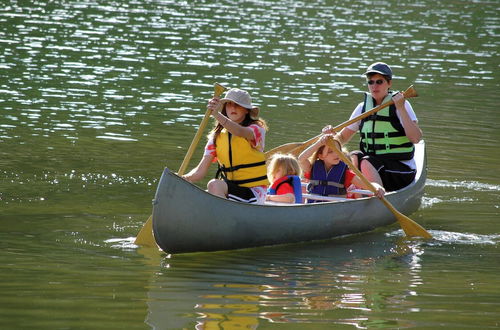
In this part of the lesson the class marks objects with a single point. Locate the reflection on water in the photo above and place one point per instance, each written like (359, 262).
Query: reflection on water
(318, 283)
(97, 96)
(324, 283)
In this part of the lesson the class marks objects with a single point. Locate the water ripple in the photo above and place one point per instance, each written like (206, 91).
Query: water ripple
(469, 185)
(83, 83)
(445, 237)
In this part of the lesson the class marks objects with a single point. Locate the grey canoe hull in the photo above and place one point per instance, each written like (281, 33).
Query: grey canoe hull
(188, 219)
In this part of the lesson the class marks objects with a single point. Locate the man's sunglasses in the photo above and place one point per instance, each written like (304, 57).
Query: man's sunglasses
(378, 82)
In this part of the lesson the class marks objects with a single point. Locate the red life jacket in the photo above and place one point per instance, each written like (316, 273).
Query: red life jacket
(294, 180)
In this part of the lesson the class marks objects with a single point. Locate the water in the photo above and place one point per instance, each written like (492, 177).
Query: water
(96, 97)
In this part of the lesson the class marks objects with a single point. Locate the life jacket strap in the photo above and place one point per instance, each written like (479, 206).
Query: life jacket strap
(373, 135)
(240, 182)
(388, 146)
(237, 167)
(325, 183)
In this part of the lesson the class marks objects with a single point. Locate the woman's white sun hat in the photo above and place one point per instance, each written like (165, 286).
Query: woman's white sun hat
(242, 98)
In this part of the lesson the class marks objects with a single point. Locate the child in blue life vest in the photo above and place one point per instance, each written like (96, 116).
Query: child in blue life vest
(284, 172)
(328, 175)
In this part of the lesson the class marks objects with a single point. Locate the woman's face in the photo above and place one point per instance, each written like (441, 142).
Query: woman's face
(235, 112)
(378, 86)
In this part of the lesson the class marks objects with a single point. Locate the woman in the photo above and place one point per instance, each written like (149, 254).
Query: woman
(387, 138)
(237, 143)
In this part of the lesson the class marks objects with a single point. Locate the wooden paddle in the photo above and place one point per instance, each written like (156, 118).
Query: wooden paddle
(295, 148)
(410, 227)
(145, 236)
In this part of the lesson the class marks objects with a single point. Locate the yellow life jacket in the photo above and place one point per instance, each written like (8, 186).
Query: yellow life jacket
(239, 162)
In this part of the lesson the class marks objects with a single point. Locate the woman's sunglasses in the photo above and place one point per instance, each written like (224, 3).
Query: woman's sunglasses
(378, 82)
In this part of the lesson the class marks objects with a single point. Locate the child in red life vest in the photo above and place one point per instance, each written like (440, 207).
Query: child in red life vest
(328, 175)
(284, 172)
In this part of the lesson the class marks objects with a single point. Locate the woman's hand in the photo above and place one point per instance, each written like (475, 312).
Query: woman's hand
(328, 129)
(380, 191)
(399, 101)
(213, 105)
(324, 138)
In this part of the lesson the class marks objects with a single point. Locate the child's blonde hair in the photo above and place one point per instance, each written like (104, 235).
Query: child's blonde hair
(287, 162)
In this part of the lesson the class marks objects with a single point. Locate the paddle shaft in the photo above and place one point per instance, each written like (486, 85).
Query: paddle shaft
(145, 236)
(218, 90)
(194, 143)
(410, 227)
(408, 93)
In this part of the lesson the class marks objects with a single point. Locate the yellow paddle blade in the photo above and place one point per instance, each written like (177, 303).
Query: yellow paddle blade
(410, 227)
(145, 236)
(283, 149)
(303, 146)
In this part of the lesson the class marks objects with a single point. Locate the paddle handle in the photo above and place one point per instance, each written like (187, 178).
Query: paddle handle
(408, 93)
(218, 90)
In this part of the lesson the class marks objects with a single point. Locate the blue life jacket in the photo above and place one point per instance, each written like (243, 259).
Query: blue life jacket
(294, 180)
(327, 184)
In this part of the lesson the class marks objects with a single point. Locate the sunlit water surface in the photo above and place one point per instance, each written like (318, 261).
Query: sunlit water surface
(96, 97)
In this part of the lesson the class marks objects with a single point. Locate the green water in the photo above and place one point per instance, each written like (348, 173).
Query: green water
(96, 97)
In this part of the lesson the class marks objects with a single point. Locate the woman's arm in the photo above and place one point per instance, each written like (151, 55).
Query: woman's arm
(199, 172)
(285, 198)
(345, 135)
(412, 130)
(233, 127)
(305, 155)
(379, 190)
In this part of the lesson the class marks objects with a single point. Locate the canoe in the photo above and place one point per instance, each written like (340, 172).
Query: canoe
(189, 219)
